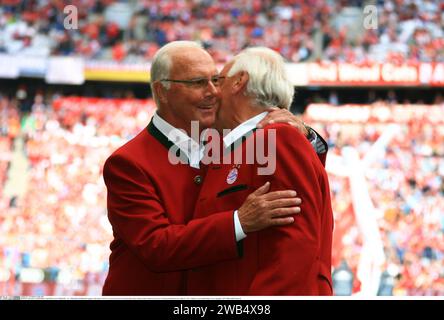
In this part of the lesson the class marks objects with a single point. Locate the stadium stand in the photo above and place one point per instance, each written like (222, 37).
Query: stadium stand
(405, 181)
(301, 30)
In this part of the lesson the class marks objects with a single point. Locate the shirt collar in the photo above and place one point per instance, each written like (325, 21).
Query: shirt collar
(243, 128)
(188, 146)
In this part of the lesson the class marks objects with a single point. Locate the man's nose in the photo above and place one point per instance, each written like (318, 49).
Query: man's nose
(212, 89)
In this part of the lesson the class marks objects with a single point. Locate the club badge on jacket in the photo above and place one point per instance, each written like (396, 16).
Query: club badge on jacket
(233, 174)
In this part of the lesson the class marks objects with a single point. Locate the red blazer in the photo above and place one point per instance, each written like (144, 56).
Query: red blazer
(150, 204)
(288, 260)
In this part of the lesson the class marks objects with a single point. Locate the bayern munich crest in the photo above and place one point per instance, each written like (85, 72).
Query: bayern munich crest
(232, 175)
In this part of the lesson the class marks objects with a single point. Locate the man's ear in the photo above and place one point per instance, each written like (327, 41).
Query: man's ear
(241, 81)
(160, 92)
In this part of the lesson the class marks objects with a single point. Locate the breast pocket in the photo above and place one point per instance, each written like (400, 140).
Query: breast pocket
(232, 198)
(232, 189)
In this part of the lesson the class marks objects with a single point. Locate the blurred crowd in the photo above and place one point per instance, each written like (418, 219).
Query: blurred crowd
(60, 224)
(301, 30)
(406, 186)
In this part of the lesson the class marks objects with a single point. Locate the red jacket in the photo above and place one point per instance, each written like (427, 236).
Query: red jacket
(150, 205)
(288, 260)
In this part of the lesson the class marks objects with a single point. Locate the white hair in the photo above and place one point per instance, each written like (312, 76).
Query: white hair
(268, 83)
(161, 64)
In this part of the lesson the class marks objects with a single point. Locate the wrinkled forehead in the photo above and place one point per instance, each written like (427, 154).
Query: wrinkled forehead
(192, 63)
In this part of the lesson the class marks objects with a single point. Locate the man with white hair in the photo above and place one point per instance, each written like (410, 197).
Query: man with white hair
(294, 259)
(151, 200)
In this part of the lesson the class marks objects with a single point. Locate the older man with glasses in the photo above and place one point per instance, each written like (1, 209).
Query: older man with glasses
(151, 200)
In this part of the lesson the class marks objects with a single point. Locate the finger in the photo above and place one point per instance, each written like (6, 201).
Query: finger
(264, 122)
(274, 195)
(288, 113)
(262, 190)
(274, 113)
(282, 203)
(296, 123)
(283, 212)
(299, 126)
(283, 116)
(281, 221)
(279, 119)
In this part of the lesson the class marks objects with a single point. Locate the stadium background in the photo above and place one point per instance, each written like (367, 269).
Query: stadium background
(70, 96)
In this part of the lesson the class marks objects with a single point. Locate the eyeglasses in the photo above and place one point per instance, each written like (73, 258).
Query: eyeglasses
(198, 82)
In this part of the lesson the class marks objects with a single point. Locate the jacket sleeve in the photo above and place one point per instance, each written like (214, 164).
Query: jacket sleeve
(289, 255)
(319, 144)
(140, 221)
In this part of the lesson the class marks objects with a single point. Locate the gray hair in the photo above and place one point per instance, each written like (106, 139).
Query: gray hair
(161, 64)
(268, 83)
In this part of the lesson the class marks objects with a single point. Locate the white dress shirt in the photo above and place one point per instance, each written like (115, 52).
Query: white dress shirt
(229, 139)
(191, 148)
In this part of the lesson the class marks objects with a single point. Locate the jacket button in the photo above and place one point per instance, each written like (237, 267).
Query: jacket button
(198, 179)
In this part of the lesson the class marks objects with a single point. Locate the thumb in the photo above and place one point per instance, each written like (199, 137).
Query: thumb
(263, 189)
